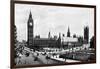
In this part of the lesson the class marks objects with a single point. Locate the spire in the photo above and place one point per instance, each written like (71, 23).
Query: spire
(59, 41)
(49, 35)
(68, 29)
(68, 32)
(30, 15)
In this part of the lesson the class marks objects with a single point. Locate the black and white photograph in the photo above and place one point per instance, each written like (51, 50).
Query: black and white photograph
(50, 34)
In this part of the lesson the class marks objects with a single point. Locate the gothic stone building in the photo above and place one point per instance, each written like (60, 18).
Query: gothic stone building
(38, 42)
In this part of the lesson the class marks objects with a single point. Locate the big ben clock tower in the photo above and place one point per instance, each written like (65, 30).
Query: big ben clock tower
(30, 31)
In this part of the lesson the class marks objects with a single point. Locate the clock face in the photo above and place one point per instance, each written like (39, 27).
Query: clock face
(30, 23)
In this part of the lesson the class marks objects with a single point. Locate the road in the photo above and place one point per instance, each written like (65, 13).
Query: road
(23, 60)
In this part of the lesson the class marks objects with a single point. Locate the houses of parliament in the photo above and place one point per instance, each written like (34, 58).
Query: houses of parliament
(61, 41)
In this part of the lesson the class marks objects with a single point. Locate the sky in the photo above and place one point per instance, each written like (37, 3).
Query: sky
(54, 19)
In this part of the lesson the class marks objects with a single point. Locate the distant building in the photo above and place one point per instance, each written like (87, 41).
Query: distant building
(86, 34)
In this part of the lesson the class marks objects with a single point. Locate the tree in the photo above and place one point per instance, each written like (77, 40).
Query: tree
(24, 43)
(80, 39)
(15, 36)
(92, 42)
(15, 43)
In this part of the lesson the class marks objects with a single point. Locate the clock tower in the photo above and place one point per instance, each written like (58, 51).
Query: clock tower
(30, 31)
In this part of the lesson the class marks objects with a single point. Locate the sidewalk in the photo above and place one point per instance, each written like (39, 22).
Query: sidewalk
(67, 60)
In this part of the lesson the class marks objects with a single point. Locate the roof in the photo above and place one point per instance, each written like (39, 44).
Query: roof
(69, 39)
(43, 39)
